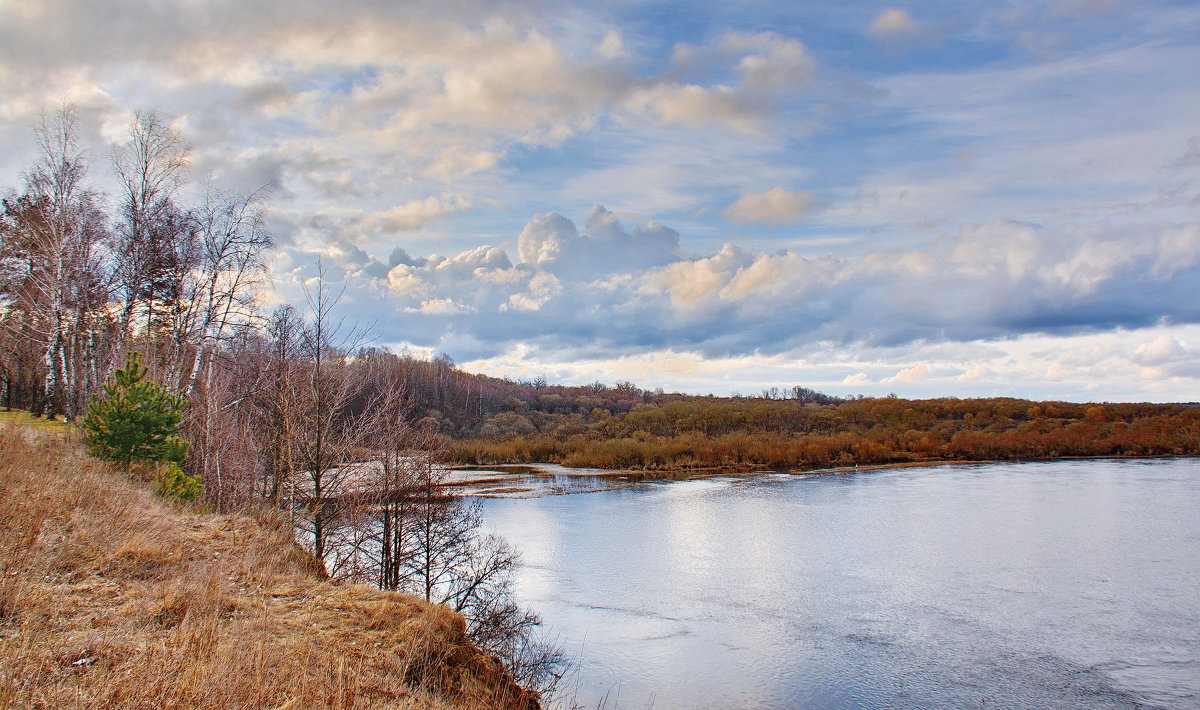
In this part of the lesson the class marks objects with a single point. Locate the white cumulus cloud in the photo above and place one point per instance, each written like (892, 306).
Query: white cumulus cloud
(553, 242)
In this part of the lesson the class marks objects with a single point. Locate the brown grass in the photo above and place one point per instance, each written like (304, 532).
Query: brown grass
(110, 597)
(39, 423)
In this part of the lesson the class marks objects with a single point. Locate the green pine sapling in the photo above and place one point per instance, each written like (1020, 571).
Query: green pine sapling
(138, 420)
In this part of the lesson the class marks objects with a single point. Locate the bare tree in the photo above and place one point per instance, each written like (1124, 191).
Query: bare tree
(445, 558)
(280, 398)
(400, 452)
(295, 413)
(325, 432)
(208, 317)
(20, 358)
(226, 426)
(153, 234)
(429, 543)
(50, 241)
(406, 531)
(233, 241)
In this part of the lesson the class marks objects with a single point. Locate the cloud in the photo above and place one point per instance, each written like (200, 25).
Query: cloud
(1179, 248)
(541, 288)
(666, 171)
(402, 138)
(552, 242)
(768, 62)
(545, 238)
(1191, 157)
(1013, 367)
(1056, 371)
(775, 206)
(314, 227)
(363, 103)
(1162, 350)
(897, 25)
(607, 287)
(910, 374)
(765, 69)
(991, 310)
(416, 213)
(474, 281)
(1112, 161)
(692, 105)
(440, 307)
(974, 373)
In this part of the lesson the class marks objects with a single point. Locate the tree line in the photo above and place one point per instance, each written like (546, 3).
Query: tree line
(748, 433)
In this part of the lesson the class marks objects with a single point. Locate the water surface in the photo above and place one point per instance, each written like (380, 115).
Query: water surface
(1040, 585)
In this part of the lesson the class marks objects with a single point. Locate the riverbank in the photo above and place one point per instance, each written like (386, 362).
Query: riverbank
(111, 597)
(981, 462)
(538, 479)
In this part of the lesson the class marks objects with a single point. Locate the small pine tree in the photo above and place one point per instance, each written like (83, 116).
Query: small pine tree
(173, 483)
(136, 420)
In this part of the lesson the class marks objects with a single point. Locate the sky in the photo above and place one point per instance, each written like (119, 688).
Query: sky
(931, 198)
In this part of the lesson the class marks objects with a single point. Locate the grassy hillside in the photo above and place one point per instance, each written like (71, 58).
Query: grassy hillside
(110, 597)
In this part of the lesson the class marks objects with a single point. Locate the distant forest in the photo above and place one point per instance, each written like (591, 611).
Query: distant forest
(495, 421)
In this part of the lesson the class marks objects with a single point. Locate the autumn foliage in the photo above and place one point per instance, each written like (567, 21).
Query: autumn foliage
(751, 433)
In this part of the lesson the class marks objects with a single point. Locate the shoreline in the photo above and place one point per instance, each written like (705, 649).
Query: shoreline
(501, 474)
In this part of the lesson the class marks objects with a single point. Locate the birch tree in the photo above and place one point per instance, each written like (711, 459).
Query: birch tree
(233, 241)
(151, 166)
(50, 238)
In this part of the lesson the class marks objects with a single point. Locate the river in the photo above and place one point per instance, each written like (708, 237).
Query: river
(1071, 584)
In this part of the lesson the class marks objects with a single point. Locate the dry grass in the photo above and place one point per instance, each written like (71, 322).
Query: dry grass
(109, 597)
(26, 419)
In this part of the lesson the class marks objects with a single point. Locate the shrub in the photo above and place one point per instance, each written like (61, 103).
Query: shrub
(173, 483)
(138, 420)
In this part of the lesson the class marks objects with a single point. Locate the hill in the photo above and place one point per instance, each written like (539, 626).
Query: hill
(110, 597)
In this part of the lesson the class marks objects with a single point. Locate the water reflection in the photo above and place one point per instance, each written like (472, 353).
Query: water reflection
(1051, 585)
(552, 479)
